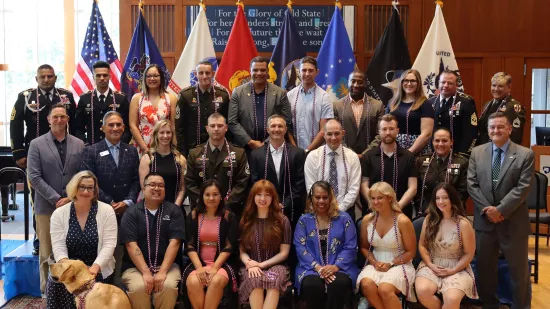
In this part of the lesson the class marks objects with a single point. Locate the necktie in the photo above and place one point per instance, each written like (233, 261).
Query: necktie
(439, 163)
(333, 173)
(114, 153)
(216, 153)
(496, 167)
(47, 96)
(102, 99)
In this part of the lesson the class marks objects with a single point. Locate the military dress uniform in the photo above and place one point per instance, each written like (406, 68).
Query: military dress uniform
(229, 168)
(433, 170)
(31, 111)
(512, 109)
(187, 110)
(86, 127)
(462, 107)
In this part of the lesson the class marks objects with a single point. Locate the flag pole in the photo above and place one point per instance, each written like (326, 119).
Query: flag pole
(289, 4)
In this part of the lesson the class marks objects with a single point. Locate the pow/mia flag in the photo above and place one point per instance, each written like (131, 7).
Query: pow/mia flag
(436, 55)
(390, 59)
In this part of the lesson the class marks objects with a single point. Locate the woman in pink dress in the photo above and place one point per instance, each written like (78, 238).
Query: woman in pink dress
(211, 245)
(150, 106)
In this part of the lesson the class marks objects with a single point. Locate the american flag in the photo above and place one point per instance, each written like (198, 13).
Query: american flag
(97, 46)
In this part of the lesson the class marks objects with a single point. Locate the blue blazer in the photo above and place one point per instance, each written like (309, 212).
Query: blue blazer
(116, 183)
(342, 252)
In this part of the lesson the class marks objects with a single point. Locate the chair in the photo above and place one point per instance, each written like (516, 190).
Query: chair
(537, 200)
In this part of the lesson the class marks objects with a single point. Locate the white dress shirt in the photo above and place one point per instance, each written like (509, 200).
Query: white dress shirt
(277, 156)
(313, 171)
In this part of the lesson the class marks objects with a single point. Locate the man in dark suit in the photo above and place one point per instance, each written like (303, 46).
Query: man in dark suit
(499, 176)
(501, 86)
(359, 115)
(94, 104)
(284, 168)
(115, 165)
(54, 158)
(456, 112)
(253, 103)
(220, 160)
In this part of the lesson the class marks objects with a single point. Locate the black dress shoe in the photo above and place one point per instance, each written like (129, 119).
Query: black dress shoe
(35, 252)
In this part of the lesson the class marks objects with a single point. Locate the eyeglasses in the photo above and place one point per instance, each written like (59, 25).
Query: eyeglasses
(152, 76)
(410, 81)
(155, 185)
(85, 188)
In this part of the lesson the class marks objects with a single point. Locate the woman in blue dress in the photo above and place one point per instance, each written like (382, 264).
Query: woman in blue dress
(326, 246)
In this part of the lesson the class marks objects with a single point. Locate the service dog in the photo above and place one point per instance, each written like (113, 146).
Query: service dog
(88, 293)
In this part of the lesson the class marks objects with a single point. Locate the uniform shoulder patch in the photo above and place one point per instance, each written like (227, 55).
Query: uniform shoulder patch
(473, 119)
(517, 123)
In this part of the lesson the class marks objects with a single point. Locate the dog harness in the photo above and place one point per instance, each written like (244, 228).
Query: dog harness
(83, 292)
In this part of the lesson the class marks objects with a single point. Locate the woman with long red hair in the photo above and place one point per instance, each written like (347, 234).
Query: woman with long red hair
(265, 244)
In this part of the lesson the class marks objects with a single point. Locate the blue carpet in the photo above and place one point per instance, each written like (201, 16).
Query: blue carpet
(7, 246)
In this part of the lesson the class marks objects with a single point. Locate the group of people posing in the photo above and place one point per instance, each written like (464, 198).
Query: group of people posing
(284, 188)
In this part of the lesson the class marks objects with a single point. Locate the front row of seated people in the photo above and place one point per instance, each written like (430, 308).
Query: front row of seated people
(325, 241)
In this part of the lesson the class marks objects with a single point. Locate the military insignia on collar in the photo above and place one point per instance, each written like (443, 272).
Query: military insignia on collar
(177, 112)
(517, 108)
(516, 123)
(473, 119)
(503, 108)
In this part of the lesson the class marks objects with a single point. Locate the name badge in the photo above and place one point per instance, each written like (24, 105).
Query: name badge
(104, 153)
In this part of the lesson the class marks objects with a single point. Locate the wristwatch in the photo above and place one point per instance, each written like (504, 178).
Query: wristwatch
(391, 264)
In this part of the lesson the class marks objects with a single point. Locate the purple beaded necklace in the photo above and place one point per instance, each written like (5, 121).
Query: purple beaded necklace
(267, 252)
(286, 175)
(312, 114)
(153, 266)
(198, 141)
(345, 166)
(395, 167)
(92, 111)
(324, 259)
(447, 177)
(256, 135)
(367, 106)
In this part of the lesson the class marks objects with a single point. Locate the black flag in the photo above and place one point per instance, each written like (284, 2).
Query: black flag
(390, 59)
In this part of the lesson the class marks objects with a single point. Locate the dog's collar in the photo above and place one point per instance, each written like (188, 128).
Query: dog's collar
(83, 292)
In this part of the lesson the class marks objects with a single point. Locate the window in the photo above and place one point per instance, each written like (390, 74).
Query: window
(31, 34)
(540, 98)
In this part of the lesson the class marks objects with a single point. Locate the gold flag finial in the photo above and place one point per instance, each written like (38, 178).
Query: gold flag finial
(289, 4)
(201, 4)
(239, 3)
(141, 3)
(338, 4)
(439, 2)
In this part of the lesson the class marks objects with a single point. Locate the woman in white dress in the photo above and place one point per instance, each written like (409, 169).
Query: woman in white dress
(447, 246)
(388, 243)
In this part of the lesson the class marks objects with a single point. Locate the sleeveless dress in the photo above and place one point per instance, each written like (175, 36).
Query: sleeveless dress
(446, 252)
(208, 244)
(385, 250)
(276, 277)
(149, 116)
(81, 245)
(166, 167)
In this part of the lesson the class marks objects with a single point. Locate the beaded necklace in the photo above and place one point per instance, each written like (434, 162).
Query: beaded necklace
(218, 247)
(312, 114)
(153, 266)
(367, 106)
(504, 101)
(447, 177)
(286, 176)
(395, 166)
(92, 111)
(198, 140)
(399, 250)
(228, 158)
(256, 135)
(345, 166)
(38, 109)
(324, 259)
(178, 170)
(269, 274)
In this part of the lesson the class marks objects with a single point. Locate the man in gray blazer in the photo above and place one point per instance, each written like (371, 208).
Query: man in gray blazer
(53, 159)
(499, 176)
(253, 103)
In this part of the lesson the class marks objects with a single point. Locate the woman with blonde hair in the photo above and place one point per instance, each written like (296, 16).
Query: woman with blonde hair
(266, 237)
(150, 106)
(326, 246)
(414, 114)
(84, 229)
(388, 243)
(163, 158)
(447, 246)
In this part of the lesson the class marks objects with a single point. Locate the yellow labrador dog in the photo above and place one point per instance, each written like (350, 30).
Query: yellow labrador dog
(81, 283)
